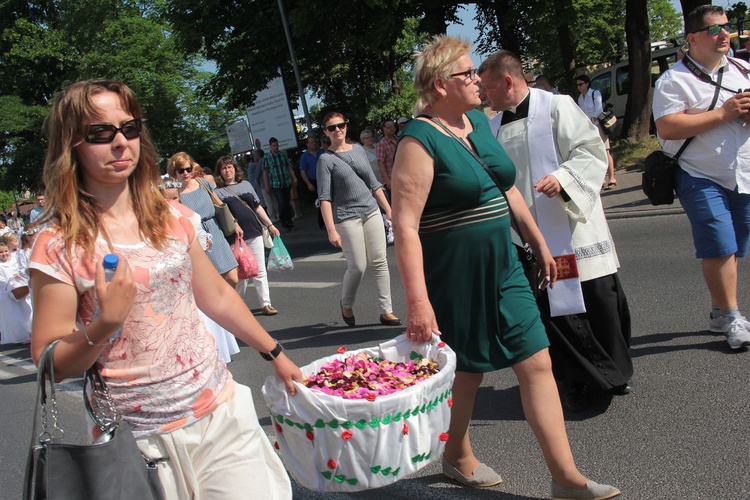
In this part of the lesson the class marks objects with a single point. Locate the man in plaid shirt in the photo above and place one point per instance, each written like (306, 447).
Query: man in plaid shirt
(278, 177)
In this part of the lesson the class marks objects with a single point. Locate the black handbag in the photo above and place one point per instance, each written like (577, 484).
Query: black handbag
(607, 120)
(112, 468)
(659, 169)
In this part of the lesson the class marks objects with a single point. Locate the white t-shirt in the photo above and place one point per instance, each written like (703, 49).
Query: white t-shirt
(721, 154)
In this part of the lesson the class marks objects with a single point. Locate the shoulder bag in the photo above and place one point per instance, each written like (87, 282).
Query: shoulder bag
(112, 468)
(222, 214)
(264, 232)
(607, 120)
(528, 261)
(657, 180)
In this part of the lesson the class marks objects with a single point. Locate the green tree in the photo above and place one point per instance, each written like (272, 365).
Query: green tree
(45, 46)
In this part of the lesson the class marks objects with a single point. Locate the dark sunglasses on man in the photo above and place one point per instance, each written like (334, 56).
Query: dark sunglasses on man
(103, 133)
(715, 29)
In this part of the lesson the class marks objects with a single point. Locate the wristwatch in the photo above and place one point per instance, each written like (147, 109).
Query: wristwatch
(270, 356)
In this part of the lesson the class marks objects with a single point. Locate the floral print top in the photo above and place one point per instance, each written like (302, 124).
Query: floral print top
(163, 370)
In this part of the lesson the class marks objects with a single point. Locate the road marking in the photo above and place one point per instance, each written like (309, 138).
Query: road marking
(322, 257)
(29, 368)
(303, 284)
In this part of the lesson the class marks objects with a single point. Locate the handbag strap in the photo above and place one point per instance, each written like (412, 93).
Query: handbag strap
(351, 166)
(215, 199)
(248, 206)
(717, 86)
(487, 169)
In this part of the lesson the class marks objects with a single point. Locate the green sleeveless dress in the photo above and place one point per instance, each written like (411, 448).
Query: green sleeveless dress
(476, 285)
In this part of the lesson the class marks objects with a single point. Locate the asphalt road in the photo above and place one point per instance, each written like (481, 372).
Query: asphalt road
(681, 434)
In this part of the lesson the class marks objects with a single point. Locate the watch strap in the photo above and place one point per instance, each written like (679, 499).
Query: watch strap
(270, 356)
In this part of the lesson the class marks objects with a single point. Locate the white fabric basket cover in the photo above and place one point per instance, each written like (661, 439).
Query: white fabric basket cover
(329, 443)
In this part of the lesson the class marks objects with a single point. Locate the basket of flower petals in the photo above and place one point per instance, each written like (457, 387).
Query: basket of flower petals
(367, 418)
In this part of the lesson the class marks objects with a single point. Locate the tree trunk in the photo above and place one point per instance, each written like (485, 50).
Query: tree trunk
(565, 39)
(509, 33)
(638, 109)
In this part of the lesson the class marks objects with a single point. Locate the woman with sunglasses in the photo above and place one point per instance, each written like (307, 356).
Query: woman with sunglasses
(244, 203)
(461, 271)
(142, 328)
(194, 194)
(590, 101)
(349, 197)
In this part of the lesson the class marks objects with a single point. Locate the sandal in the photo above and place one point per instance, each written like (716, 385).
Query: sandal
(611, 185)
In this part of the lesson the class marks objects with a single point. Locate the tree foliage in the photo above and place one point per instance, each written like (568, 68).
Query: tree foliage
(46, 45)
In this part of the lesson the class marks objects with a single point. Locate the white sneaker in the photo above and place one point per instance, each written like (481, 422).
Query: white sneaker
(737, 334)
(718, 325)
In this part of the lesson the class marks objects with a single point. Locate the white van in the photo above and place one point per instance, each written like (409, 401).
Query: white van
(614, 81)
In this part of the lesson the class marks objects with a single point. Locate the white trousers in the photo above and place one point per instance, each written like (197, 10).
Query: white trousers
(363, 244)
(225, 455)
(260, 281)
(272, 208)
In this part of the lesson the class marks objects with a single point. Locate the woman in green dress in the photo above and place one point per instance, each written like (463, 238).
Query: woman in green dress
(461, 271)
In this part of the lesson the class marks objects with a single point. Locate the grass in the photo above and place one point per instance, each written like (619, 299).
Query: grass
(627, 154)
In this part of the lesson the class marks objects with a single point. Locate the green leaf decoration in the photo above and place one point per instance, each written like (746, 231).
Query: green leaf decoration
(327, 474)
(386, 420)
(361, 424)
(414, 355)
(319, 424)
(407, 414)
(347, 425)
(375, 422)
(353, 481)
(427, 457)
(395, 472)
(397, 417)
(378, 359)
(288, 422)
(375, 469)
(333, 424)
(298, 425)
(280, 419)
(339, 479)
(386, 471)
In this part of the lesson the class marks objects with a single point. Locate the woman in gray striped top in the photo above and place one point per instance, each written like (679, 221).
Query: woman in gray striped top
(349, 197)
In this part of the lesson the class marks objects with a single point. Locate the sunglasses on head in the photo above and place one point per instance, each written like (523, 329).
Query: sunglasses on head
(340, 126)
(715, 29)
(103, 133)
(183, 170)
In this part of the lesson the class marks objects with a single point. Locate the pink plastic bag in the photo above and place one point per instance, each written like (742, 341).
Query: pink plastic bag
(248, 266)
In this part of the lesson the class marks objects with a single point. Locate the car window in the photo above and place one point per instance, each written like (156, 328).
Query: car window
(603, 83)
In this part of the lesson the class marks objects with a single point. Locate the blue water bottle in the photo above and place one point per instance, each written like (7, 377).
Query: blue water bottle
(109, 263)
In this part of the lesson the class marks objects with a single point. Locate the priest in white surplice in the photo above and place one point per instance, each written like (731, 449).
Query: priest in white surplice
(561, 163)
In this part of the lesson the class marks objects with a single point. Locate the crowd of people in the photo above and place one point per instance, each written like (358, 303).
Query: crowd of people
(467, 196)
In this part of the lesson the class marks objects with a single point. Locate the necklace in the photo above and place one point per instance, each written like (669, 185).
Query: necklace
(462, 131)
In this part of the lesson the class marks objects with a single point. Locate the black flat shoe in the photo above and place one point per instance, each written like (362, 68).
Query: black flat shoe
(349, 320)
(389, 322)
(622, 390)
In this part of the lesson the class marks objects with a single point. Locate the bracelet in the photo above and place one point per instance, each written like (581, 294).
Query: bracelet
(88, 340)
(270, 356)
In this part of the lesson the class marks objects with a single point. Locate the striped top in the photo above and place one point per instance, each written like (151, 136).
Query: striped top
(454, 218)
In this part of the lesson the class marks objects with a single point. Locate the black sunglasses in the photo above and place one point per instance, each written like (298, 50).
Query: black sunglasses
(471, 74)
(340, 126)
(715, 29)
(103, 133)
(183, 170)
(389, 126)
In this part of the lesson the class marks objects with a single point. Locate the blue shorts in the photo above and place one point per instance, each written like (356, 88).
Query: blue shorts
(719, 217)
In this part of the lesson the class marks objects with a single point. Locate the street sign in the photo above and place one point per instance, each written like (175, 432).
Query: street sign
(270, 116)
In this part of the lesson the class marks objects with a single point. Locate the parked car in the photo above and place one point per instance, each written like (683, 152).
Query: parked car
(614, 81)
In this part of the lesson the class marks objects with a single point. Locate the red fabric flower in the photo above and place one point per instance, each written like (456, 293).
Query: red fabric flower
(405, 430)
(278, 427)
(442, 344)
(341, 350)
(276, 444)
(310, 435)
(332, 464)
(371, 396)
(346, 435)
(450, 402)
(443, 436)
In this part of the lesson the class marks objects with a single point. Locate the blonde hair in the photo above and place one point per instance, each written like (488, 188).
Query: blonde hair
(68, 204)
(434, 61)
(180, 160)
